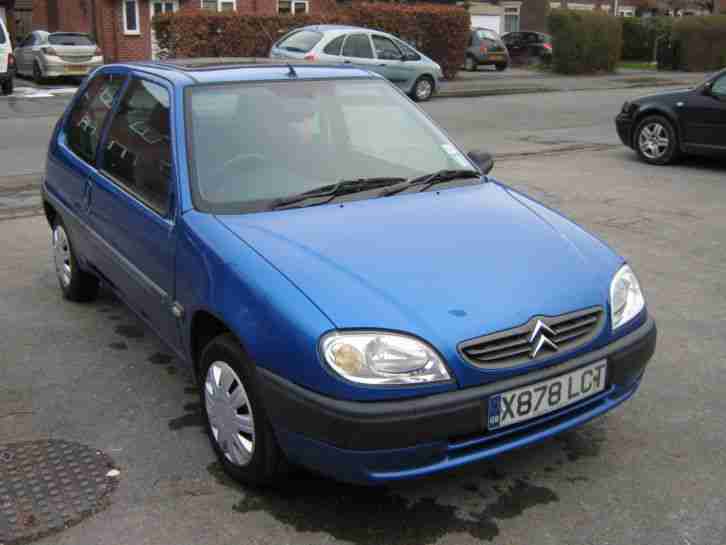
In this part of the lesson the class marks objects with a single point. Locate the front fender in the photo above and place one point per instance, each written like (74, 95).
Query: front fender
(276, 323)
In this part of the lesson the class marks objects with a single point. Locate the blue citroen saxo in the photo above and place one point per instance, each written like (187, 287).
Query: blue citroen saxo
(353, 293)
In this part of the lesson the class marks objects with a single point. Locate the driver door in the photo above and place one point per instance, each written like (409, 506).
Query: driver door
(703, 117)
(390, 61)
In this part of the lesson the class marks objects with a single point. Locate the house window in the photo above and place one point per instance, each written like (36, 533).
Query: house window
(289, 7)
(511, 20)
(219, 5)
(131, 17)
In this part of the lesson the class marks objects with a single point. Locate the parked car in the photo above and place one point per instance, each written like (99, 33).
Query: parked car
(7, 61)
(663, 126)
(485, 48)
(59, 54)
(411, 70)
(352, 291)
(528, 47)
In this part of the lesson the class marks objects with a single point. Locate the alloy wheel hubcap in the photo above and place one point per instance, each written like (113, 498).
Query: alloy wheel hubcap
(423, 89)
(653, 140)
(469, 63)
(230, 413)
(62, 255)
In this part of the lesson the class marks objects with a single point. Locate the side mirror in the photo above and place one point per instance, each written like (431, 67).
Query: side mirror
(707, 89)
(483, 160)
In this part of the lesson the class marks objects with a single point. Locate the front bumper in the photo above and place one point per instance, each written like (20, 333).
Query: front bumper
(624, 125)
(382, 441)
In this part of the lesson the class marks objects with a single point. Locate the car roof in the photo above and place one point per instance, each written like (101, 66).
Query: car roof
(225, 70)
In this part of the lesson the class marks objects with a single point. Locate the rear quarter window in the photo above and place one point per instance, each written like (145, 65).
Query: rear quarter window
(88, 114)
(300, 42)
(3, 38)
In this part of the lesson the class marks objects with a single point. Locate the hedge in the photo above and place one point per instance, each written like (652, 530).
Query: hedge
(640, 34)
(440, 32)
(700, 43)
(585, 42)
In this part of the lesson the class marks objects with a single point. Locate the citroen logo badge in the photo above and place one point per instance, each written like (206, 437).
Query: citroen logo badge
(539, 338)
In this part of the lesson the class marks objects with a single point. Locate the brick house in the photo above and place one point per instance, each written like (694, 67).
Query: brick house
(123, 27)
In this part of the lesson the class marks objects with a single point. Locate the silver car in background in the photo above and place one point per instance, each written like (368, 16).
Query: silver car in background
(412, 71)
(59, 54)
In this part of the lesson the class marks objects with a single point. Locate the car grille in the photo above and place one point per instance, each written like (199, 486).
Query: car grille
(518, 345)
(77, 59)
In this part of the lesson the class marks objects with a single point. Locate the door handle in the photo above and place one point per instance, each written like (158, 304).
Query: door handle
(346, 61)
(86, 205)
(383, 64)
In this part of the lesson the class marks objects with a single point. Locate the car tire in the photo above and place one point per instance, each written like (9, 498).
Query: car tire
(501, 67)
(234, 415)
(76, 284)
(423, 89)
(38, 74)
(470, 64)
(656, 141)
(7, 87)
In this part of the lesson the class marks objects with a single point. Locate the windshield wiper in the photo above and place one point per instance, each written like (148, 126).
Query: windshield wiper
(434, 178)
(343, 187)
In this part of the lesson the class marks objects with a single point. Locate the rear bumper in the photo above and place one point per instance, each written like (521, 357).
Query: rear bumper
(624, 125)
(391, 440)
(56, 68)
(10, 74)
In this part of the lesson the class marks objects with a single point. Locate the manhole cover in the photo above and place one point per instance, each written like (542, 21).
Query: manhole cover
(46, 486)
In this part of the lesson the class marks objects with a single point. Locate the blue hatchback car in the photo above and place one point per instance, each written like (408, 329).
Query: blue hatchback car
(353, 293)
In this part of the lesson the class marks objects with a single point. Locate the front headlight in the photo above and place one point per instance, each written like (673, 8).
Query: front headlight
(626, 299)
(379, 358)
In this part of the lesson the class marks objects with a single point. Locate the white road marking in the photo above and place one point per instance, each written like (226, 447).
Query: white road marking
(33, 92)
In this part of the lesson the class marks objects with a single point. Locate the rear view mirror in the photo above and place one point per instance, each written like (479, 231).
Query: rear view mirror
(482, 159)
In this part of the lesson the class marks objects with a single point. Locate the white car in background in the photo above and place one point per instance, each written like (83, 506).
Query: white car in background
(409, 69)
(59, 54)
(7, 61)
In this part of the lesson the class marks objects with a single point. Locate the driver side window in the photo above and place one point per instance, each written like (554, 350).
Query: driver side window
(386, 49)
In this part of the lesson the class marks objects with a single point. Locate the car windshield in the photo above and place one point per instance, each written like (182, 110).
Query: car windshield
(69, 39)
(300, 42)
(487, 35)
(253, 144)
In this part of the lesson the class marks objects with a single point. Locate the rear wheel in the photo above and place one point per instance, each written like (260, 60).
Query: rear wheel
(423, 89)
(501, 67)
(38, 74)
(470, 63)
(236, 422)
(656, 140)
(7, 86)
(76, 284)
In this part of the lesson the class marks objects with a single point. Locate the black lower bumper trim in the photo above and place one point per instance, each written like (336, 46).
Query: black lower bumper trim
(404, 423)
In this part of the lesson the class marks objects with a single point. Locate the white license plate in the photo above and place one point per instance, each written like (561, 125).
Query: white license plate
(544, 397)
(76, 69)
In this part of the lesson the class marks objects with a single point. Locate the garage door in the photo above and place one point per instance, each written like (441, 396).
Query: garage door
(491, 22)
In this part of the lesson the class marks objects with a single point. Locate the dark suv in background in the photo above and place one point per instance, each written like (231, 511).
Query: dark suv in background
(485, 48)
(528, 47)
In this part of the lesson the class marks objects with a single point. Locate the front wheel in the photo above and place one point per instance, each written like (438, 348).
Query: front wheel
(236, 422)
(470, 64)
(76, 284)
(501, 67)
(656, 140)
(423, 89)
